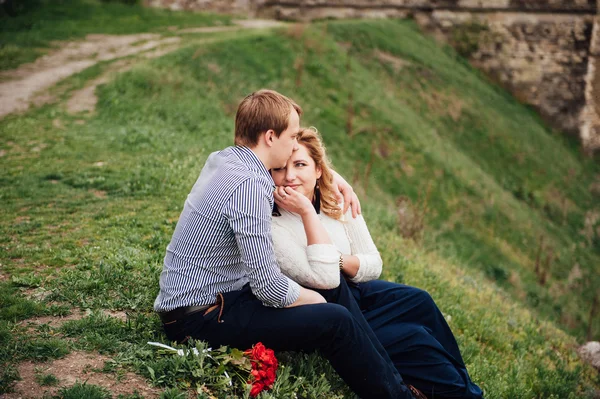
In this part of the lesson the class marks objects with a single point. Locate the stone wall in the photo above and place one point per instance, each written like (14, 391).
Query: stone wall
(311, 9)
(540, 50)
(541, 58)
(590, 118)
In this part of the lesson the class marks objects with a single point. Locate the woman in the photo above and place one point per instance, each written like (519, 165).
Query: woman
(314, 241)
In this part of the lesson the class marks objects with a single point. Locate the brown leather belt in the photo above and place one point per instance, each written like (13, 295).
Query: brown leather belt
(179, 313)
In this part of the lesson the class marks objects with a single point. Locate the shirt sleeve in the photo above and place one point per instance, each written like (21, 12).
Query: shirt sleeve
(248, 212)
(363, 247)
(314, 266)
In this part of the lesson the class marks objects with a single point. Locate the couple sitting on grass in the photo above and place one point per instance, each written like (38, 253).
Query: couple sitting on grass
(263, 252)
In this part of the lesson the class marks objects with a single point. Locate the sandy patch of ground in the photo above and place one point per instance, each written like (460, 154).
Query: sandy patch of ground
(78, 367)
(240, 23)
(208, 29)
(76, 314)
(55, 321)
(85, 99)
(117, 314)
(25, 82)
(396, 63)
(259, 23)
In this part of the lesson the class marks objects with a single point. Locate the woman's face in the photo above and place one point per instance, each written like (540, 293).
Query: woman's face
(300, 173)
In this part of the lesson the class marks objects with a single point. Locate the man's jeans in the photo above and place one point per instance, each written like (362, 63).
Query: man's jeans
(336, 329)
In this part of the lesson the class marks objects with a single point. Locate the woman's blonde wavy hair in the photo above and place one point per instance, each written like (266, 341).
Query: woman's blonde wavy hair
(311, 139)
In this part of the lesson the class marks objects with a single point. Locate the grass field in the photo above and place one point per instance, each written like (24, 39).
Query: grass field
(501, 208)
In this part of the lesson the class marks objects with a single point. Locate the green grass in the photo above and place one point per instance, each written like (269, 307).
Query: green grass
(83, 390)
(41, 22)
(47, 380)
(14, 308)
(173, 393)
(89, 207)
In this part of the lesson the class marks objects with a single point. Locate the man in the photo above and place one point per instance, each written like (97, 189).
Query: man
(220, 281)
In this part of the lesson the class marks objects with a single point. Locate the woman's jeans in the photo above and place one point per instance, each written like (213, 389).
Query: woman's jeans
(417, 338)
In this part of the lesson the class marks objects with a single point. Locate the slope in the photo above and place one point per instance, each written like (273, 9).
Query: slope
(89, 201)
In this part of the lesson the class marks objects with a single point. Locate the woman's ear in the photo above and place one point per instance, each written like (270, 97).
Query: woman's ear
(319, 172)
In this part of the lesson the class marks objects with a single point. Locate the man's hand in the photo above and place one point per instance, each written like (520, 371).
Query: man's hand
(308, 297)
(343, 191)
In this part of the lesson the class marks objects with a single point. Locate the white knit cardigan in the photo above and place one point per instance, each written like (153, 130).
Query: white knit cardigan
(317, 265)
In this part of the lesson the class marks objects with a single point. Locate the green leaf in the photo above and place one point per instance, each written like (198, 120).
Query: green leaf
(151, 371)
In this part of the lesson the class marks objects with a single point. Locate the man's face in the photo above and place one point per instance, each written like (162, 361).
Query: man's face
(286, 143)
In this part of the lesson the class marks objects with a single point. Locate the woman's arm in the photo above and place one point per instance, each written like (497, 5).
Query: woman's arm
(314, 266)
(292, 201)
(364, 263)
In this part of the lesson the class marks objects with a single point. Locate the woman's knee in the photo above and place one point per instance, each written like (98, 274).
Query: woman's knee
(398, 291)
(422, 296)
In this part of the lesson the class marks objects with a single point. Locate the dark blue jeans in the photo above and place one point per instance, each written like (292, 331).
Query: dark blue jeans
(336, 329)
(416, 336)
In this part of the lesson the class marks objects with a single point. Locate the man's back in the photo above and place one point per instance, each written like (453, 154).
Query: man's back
(222, 240)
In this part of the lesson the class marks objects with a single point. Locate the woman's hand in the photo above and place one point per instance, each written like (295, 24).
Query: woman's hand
(343, 191)
(292, 201)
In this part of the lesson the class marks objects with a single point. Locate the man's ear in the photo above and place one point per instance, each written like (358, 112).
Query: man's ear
(269, 137)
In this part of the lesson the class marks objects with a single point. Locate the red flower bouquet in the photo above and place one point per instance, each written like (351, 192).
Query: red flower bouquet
(264, 368)
(256, 366)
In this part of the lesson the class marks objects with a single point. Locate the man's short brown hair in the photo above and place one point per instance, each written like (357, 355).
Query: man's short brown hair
(261, 111)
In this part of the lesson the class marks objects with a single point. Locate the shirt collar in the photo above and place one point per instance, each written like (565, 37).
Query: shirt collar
(251, 160)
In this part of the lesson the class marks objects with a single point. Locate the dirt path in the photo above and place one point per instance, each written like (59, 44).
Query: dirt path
(27, 84)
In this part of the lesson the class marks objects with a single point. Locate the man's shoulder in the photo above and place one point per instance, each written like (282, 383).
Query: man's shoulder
(225, 163)
(230, 161)
(231, 172)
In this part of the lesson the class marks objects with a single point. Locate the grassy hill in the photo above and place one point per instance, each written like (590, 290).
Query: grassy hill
(501, 208)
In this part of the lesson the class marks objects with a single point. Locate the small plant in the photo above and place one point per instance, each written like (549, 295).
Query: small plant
(411, 216)
(465, 38)
(350, 113)
(542, 269)
(83, 390)
(173, 393)
(45, 349)
(14, 307)
(593, 310)
(299, 68)
(47, 380)
(410, 219)
(134, 395)
(8, 375)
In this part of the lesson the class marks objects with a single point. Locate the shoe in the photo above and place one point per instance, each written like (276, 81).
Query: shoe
(416, 393)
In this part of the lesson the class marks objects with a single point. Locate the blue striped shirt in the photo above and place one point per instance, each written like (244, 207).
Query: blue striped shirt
(222, 240)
